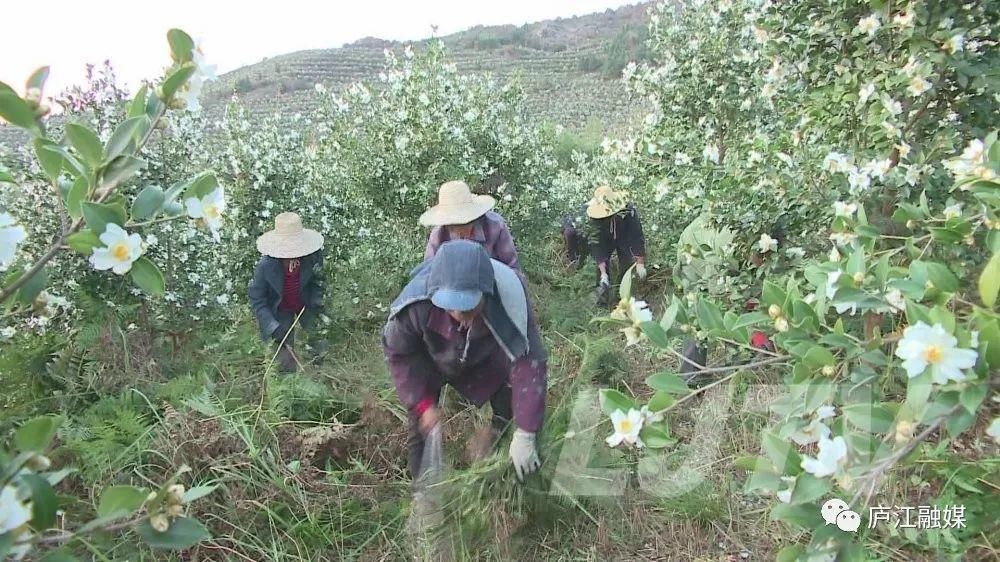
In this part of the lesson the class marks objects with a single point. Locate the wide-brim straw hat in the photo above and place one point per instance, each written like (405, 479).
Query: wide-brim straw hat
(289, 239)
(606, 202)
(456, 205)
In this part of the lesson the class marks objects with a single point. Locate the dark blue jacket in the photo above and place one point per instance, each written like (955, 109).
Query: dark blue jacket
(268, 284)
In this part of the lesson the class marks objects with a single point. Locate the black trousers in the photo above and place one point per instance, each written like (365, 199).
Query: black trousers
(503, 412)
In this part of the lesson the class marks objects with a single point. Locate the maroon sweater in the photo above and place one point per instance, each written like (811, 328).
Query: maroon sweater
(291, 296)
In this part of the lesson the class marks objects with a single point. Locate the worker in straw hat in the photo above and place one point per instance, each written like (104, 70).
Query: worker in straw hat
(287, 283)
(462, 215)
(465, 320)
(617, 228)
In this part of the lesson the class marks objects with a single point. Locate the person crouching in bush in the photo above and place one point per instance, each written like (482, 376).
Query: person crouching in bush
(287, 284)
(462, 215)
(617, 228)
(465, 320)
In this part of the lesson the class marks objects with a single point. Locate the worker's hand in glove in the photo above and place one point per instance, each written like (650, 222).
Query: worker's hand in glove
(640, 270)
(523, 453)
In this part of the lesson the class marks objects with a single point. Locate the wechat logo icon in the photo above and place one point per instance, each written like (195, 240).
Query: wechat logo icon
(836, 512)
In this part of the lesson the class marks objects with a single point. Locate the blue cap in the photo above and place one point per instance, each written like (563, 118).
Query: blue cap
(461, 273)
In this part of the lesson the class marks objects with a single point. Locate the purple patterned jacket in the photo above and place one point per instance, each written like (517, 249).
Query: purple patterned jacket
(491, 231)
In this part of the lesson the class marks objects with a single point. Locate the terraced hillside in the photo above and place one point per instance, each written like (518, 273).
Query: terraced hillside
(569, 68)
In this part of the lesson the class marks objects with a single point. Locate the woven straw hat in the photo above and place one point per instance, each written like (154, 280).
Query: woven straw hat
(606, 202)
(456, 205)
(288, 239)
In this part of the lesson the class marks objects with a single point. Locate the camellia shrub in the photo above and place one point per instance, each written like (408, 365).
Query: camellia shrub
(97, 206)
(863, 132)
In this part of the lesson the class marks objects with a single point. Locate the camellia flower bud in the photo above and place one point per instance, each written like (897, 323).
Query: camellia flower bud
(829, 370)
(774, 311)
(911, 224)
(859, 278)
(151, 496)
(159, 522)
(33, 96)
(781, 324)
(42, 110)
(175, 510)
(176, 493)
(39, 463)
(904, 431)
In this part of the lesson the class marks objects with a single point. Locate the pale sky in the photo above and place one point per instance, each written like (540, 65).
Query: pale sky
(67, 34)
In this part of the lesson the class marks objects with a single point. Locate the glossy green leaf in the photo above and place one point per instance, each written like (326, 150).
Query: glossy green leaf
(873, 418)
(790, 553)
(804, 516)
(51, 162)
(612, 400)
(98, 215)
(989, 281)
(624, 289)
(83, 242)
(17, 112)
(198, 492)
(78, 193)
(655, 334)
(147, 276)
(973, 395)
(176, 80)
(669, 316)
(120, 501)
(750, 319)
(147, 203)
(959, 422)
(123, 136)
(37, 79)
(655, 438)
(668, 382)
(989, 339)
(36, 434)
(137, 106)
(121, 169)
(781, 453)
(661, 401)
(85, 142)
(808, 488)
(181, 45)
(70, 162)
(709, 315)
(184, 532)
(773, 294)
(941, 277)
(918, 392)
(33, 287)
(44, 503)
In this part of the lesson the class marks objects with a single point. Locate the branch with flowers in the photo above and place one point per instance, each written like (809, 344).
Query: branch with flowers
(86, 175)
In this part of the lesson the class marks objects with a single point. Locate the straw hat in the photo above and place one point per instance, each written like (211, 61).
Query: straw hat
(456, 205)
(289, 239)
(606, 202)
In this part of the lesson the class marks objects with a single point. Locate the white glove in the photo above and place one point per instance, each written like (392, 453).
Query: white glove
(605, 280)
(640, 270)
(523, 453)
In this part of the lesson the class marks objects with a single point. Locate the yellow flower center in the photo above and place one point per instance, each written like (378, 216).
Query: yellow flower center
(933, 354)
(212, 211)
(625, 426)
(120, 252)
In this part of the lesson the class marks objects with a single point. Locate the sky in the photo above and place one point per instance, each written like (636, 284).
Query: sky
(68, 34)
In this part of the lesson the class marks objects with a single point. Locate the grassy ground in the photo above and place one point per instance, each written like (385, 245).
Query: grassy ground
(311, 466)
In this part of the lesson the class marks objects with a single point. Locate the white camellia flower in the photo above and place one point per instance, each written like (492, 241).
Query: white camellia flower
(918, 85)
(11, 235)
(865, 93)
(13, 513)
(767, 244)
(878, 168)
(831, 458)
(711, 153)
(926, 346)
(869, 25)
(955, 44)
(836, 162)
(953, 211)
(209, 209)
(912, 66)
(638, 311)
(812, 433)
(903, 148)
(904, 19)
(843, 238)
(895, 299)
(834, 254)
(626, 428)
(842, 209)
(119, 252)
(682, 159)
(993, 431)
(649, 416)
(859, 180)
(892, 106)
(768, 91)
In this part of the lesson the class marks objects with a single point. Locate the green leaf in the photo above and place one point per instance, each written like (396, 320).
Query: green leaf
(818, 357)
(972, 396)
(198, 492)
(17, 112)
(85, 142)
(33, 287)
(181, 45)
(958, 422)
(70, 162)
(184, 532)
(808, 488)
(147, 203)
(83, 242)
(147, 276)
(36, 434)
(121, 169)
(804, 516)
(989, 336)
(938, 274)
(98, 215)
(989, 281)
(78, 193)
(873, 418)
(176, 80)
(137, 106)
(655, 438)
(51, 162)
(790, 553)
(750, 319)
(624, 290)
(612, 400)
(669, 316)
(43, 502)
(667, 382)
(709, 315)
(6, 541)
(37, 79)
(124, 135)
(59, 556)
(781, 454)
(773, 294)
(918, 392)
(120, 501)
(660, 401)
